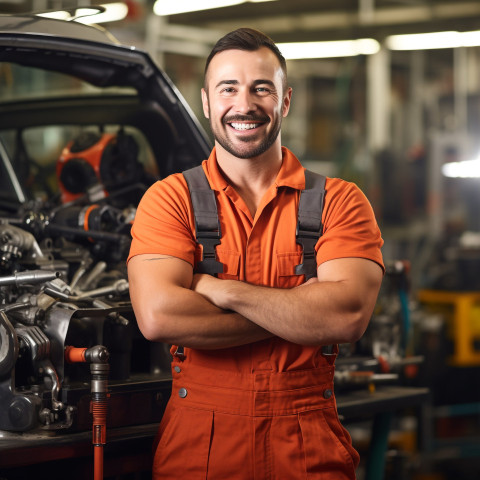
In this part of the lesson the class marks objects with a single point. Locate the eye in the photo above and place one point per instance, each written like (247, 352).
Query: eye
(263, 90)
(227, 90)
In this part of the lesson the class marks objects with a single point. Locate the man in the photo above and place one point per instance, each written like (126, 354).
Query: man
(252, 393)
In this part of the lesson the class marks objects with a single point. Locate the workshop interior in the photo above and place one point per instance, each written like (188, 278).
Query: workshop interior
(98, 102)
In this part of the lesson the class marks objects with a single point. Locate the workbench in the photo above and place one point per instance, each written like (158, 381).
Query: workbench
(128, 449)
(380, 406)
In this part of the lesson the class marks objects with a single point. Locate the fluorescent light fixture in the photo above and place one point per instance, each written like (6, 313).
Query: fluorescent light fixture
(113, 13)
(169, 7)
(427, 41)
(464, 169)
(342, 48)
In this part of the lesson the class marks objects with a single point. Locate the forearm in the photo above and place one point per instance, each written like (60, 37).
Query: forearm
(315, 314)
(167, 310)
(183, 317)
(335, 308)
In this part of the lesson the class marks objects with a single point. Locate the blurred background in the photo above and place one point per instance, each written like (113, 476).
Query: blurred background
(386, 93)
(388, 118)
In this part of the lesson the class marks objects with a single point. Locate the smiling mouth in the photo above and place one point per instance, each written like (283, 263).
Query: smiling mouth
(242, 123)
(244, 126)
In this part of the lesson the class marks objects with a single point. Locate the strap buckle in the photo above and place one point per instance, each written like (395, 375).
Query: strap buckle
(209, 263)
(308, 267)
(180, 352)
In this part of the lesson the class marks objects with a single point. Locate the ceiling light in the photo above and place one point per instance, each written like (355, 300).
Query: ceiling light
(169, 7)
(57, 15)
(464, 169)
(427, 41)
(342, 48)
(114, 12)
(110, 12)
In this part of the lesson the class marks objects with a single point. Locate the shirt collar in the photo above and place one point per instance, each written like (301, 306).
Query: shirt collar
(291, 172)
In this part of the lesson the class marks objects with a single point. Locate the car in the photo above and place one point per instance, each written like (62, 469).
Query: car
(86, 126)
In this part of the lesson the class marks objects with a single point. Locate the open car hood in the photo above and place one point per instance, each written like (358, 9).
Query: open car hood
(86, 126)
(92, 55)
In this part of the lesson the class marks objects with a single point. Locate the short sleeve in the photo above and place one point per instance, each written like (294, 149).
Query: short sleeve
(349, 225)
(163, 222)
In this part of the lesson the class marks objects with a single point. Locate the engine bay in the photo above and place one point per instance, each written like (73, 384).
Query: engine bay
(63, 283)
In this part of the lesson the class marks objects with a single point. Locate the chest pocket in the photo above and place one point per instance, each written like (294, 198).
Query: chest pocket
(231, 264)
(286, 263)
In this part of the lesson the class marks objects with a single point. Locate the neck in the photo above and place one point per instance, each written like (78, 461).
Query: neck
(250, 177)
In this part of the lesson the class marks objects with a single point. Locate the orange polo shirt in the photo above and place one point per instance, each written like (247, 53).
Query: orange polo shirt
(260, 250)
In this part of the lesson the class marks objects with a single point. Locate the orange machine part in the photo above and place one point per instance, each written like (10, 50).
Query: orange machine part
(75, 355)
(92, 155)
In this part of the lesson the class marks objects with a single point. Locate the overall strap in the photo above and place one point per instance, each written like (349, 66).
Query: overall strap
(309, 230)
(309, 222)
(207, 225)
(208, 232)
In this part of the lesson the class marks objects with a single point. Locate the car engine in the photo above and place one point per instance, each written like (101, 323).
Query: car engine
(63, 285)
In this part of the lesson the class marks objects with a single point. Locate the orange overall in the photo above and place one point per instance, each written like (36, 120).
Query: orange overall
(266, 410)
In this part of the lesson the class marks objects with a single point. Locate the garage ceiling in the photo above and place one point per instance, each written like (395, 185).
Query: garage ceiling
(309, 20)
(313, 20)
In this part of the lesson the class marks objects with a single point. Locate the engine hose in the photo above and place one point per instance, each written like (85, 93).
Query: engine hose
(98, 358)
(75, 355)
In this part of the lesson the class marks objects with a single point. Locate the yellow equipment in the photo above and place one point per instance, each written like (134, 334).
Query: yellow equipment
(464, 323)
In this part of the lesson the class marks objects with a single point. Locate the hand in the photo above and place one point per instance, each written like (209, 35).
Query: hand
(207, 286)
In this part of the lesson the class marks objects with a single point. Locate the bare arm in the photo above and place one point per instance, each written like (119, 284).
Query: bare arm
(167, 310)
(334, 309)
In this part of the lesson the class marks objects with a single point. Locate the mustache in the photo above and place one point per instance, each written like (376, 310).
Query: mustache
(246, 118)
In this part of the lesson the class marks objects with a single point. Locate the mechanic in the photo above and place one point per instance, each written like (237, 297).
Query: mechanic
(252, 393)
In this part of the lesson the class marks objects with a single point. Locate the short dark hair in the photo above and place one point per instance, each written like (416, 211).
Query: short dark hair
(247, 39)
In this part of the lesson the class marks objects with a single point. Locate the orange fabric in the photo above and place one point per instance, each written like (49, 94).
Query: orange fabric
(264, 426)
(164, 223)
(229, 425)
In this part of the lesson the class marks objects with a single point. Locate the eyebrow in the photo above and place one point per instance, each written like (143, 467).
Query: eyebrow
(236, 82)
(226, 82)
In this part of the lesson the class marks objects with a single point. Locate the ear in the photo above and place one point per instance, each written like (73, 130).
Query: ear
(286, 101)
(206, 110)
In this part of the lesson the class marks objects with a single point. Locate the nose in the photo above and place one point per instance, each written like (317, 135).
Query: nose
(244, 101)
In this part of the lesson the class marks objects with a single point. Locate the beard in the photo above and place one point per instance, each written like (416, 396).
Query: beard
(246, 147)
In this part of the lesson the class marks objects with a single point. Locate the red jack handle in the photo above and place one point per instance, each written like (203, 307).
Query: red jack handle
(97, 357)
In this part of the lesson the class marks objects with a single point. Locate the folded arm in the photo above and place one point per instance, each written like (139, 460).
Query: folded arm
(335, 308)
(168, 310)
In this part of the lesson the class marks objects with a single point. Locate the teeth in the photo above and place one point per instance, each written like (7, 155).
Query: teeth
(244, 126)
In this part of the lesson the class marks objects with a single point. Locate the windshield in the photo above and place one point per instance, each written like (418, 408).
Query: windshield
(18, 82)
